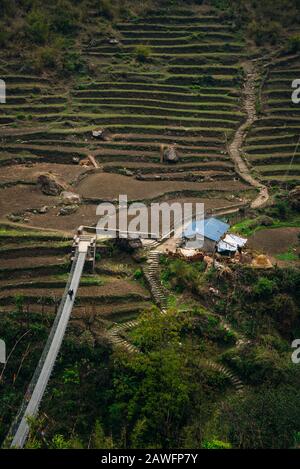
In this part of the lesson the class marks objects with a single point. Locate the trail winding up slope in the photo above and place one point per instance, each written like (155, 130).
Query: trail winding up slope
(241, 167)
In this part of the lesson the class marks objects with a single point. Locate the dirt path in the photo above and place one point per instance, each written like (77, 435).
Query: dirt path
(241, 167)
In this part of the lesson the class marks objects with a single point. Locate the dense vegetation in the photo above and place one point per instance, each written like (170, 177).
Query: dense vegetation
(175, 392)
(166, 397)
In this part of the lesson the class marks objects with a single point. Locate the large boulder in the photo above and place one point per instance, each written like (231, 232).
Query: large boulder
(170, 154)
(50, 184)
(294, 197)
(68, 210)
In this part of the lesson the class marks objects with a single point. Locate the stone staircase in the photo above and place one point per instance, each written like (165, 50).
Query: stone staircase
(115, 337)
(152, 275)
(236, 382)
(151, 272)
(241, 339)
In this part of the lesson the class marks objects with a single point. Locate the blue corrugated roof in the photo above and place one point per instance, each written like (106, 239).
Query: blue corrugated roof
(214, 229)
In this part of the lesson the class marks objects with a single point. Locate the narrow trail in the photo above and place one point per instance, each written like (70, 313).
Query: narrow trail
(235, 148)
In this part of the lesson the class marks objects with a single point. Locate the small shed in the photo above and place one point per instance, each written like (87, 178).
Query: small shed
(231, 243)
(206, 233)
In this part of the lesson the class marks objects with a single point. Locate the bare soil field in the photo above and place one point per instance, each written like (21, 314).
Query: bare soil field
(31, 172)
(274, 241)
(107, 186)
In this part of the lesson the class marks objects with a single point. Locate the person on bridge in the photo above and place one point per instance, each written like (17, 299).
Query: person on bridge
(71, 293)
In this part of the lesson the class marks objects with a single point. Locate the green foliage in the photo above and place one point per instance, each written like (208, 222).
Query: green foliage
(154, 396)
(142, 53)
(264, 33)
(181, 274)
(58, 442)
(19, 303)
(45, 57)
(138, 274)
(99, 440)
(284, 311)
(4, 37)
(264, 287)
(155, 330)
(65, 18)
(71, 376)
(289, 256)
(264, 418)
(216, 444)
(38, 26)
(294, 43)
(108, 9)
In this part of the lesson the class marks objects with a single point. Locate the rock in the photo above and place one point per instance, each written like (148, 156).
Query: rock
(43, 209)
(68, 210)
(86, 163)
(294, 197)
(50, 184)
(127, 172)
(70, 198)
(14, 217)
(102, 134)
(170, 154)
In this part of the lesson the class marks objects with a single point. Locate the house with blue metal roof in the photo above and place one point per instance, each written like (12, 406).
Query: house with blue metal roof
(204, 234)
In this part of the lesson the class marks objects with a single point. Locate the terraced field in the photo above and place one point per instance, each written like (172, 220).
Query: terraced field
(272, 146)
(187, 92)
(34, 271)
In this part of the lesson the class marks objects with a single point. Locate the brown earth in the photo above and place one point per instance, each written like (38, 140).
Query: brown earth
(32, 261)
(30, 173)
(23, 197)
(108, 187)
(274, 241)
(116, 287)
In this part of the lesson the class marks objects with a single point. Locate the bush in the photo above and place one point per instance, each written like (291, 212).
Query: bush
(216, 444)
(37, 27)
(4, 37)
(264, 287)
(138, 274)
(285, 312)
(65, 19)
(107, 9)
(142, 53)
(263, 33)
(294, 43)
(72, 62)
(45, 57)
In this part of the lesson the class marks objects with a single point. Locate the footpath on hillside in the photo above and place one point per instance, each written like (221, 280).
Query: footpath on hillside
(249, 100)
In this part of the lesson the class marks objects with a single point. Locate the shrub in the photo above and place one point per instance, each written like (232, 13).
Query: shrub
(65, 17)
(142, 53)
(205, 80)
(4, 37)
(107, 9)
(138, 274)
(37, 27)
(284, 311)
(264, 287)
(45, 57)
(216, 444)
(263, 33)
(72, 62)
(294, 43)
